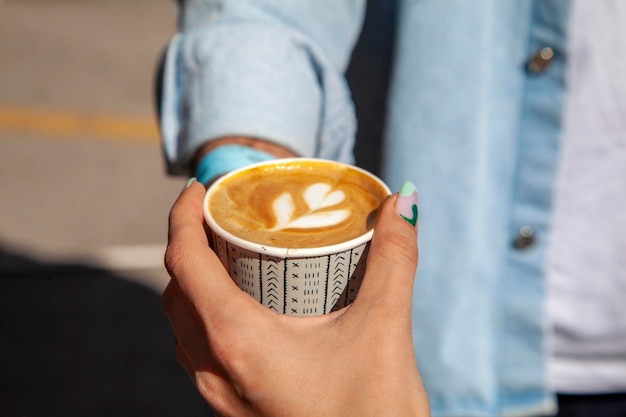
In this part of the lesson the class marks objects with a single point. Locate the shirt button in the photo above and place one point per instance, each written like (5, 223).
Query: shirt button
(525, 238)
(540, 61)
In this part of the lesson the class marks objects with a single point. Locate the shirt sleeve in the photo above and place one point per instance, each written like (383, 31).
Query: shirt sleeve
(270, 69)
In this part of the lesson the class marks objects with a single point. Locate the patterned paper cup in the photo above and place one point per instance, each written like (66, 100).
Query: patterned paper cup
(288, 280)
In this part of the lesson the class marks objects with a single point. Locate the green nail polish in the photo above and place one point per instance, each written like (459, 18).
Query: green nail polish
(190, 181)
(406, 205)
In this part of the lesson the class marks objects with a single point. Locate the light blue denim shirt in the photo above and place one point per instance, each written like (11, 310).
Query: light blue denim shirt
(468, 123)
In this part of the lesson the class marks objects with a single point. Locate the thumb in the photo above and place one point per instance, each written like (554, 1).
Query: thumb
(198, 272)
(393, 254)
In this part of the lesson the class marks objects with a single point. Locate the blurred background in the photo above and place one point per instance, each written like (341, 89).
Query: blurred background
(83, 213)
(84, 201)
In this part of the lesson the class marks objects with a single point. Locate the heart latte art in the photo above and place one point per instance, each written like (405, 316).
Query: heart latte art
(318, 197)
(297, 204)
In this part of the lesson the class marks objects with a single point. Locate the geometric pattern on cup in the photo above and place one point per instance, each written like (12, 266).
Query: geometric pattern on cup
(295, 286)
(358, 259)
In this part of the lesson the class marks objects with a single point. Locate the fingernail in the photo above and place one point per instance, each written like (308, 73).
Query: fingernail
(189, 182)
(406, 204)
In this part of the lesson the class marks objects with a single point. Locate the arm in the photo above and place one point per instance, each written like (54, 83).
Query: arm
(265, 70)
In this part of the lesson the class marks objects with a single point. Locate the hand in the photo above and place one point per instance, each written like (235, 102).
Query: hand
(247, 360)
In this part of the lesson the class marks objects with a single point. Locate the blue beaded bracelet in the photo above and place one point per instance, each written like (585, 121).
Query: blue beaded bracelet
(227, 158)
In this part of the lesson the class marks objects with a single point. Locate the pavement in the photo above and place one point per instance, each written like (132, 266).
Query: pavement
(84, 201)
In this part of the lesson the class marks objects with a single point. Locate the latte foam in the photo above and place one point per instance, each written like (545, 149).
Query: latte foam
(297, 204)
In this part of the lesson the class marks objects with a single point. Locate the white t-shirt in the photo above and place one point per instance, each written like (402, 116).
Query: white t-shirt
(587, 258)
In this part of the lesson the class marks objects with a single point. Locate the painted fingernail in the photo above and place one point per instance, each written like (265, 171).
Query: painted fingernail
(189, 182)
(406, 205)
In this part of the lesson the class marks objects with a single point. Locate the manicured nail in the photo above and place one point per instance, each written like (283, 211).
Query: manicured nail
(189, 182)
(406, 205)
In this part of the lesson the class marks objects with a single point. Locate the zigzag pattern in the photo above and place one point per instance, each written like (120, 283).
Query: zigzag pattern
(273, 273)
(357, 270)
(337, 279)
(302, 292)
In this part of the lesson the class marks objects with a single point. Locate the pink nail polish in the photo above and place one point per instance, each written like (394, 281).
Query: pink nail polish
(406, 205)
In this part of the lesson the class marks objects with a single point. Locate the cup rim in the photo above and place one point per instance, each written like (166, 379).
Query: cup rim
(285, 252)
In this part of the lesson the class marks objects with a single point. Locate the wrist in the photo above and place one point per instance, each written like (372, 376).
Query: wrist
(227, 158)
(259, 144)
(222, 155)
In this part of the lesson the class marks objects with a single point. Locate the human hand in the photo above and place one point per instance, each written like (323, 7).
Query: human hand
(247, 360)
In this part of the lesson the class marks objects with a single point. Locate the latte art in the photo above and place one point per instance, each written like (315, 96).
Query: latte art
(296, 204)
(318, 197)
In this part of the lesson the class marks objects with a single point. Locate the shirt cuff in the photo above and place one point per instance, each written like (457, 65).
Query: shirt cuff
(238, 79)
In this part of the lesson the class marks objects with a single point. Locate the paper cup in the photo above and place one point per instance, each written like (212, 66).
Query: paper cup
(293, 281)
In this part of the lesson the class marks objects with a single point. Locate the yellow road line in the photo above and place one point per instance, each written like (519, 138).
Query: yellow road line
(71, 125)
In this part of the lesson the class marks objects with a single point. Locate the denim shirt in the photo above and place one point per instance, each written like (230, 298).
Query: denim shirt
(469, 123)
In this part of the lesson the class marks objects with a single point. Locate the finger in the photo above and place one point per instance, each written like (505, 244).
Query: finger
(194, 354)
(217, 391)
(184, 361)
(191, 336)
(189, 260)
(393, 254)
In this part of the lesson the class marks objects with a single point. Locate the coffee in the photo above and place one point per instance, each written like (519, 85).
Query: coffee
(297, 203)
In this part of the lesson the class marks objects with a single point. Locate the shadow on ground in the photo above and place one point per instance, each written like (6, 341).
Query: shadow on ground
(80, 341)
